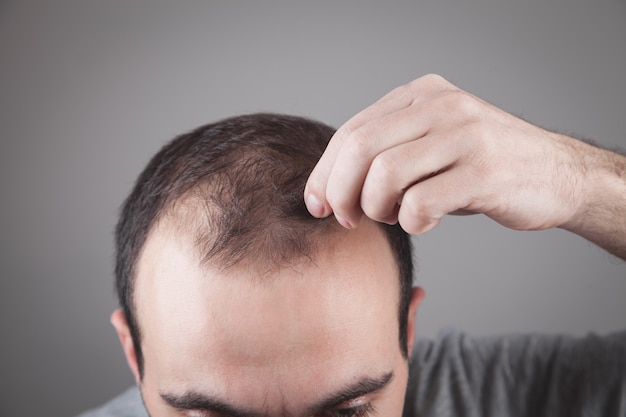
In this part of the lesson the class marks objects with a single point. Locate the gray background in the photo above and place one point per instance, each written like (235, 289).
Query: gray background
(89, 90)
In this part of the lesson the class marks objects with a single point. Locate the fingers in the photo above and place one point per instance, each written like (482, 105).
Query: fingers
(396, 170)
(315, 190)
(353, 135)
(366, 146)
(424, 204)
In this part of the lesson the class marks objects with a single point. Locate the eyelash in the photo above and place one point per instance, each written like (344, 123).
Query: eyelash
(359, 411)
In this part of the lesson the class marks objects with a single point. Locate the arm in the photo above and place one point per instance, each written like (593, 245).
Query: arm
(429, 148)
(602, 216)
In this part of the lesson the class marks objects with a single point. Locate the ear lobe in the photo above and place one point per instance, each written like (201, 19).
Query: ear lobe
(118, 320)
(417, 296)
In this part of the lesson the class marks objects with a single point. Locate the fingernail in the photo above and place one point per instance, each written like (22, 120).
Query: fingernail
(343, 222)
(315, 207)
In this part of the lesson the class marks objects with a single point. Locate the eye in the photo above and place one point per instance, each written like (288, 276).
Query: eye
(363, 410)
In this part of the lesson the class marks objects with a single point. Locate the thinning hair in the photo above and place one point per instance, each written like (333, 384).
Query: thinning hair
(237, 186)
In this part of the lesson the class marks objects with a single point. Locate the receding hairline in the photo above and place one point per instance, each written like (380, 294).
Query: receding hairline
(273, 244)
(181, 220)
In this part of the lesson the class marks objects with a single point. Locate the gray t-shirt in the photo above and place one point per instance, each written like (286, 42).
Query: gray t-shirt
(506, 376)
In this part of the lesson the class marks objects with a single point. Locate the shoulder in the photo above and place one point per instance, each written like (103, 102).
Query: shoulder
(127, 404)
(478, 376)
(455, 345)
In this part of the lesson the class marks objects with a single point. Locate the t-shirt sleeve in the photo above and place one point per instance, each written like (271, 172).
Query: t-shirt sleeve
(518, 375)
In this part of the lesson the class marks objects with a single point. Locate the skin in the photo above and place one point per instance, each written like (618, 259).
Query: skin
(428, 149)
(270, 343)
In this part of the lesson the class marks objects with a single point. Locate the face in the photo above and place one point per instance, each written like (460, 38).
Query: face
(316, 338)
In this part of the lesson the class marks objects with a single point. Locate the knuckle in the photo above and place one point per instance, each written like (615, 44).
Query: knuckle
(377, 207)
(435, 79)
(358, 143)
(416, 228)
(430, 79)
(343, 132)
(409, 224)
(384, 170)
(336, 200)
(465, 105)
(413, 206)
(404, 94)
(341, 204)
(350, 126)
(417, 213)
(428, 82)
(420, 211)
(372, 209)
(380, 192)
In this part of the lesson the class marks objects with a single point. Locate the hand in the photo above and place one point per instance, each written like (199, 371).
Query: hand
(428, 148)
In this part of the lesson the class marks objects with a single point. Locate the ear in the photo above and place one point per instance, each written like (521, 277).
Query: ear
(417, 296)
(118, 320)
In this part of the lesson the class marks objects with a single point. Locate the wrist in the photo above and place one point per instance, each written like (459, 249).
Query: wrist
(600, 213)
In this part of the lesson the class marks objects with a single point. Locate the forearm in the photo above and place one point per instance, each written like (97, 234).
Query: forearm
(601, 217)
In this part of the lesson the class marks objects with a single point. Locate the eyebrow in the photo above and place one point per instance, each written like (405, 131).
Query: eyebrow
(363, 386)
(193, 400)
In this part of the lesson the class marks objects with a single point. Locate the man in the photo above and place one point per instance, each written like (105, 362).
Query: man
(237, 302)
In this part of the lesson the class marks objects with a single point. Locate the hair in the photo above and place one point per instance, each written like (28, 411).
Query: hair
(244, 178)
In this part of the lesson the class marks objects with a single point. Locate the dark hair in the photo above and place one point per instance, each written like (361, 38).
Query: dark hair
(248, 173)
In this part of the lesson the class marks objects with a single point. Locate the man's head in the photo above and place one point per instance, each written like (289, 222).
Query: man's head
(232, 293)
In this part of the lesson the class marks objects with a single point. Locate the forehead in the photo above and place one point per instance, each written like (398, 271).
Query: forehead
(206, 329)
